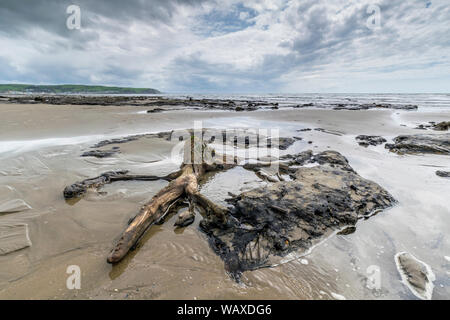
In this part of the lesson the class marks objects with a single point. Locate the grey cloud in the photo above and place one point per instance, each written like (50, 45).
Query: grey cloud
(19, 17)
(316, 40)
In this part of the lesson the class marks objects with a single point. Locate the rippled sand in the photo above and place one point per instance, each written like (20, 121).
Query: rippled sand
(40, 149)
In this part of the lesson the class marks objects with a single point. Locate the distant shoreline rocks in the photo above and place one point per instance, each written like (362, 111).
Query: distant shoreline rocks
(421, 144)
(237, 105)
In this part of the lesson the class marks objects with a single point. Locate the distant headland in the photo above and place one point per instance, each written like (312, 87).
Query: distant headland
(73, 89)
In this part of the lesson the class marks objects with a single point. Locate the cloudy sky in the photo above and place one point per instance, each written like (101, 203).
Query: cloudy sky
(253, 46)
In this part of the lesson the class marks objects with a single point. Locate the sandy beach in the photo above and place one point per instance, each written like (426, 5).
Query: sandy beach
(40, 148)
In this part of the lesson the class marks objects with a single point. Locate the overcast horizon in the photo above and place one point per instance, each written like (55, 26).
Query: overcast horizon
(199, 46)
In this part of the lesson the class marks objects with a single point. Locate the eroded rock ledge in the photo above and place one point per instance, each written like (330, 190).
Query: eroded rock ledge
(421, 143)
(267, 223)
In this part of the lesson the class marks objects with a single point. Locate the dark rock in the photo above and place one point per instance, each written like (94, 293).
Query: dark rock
(421, 143)
(303, 157)
(269, 222)
(373, 106)
(347, 231)
(283, 143)
(100, 153)
(78, 189)
(442, 126)
(156, 110)
(443, 174)
(185, 218)
(370, 140)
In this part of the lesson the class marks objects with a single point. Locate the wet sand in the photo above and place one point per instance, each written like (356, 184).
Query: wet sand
(40, 148)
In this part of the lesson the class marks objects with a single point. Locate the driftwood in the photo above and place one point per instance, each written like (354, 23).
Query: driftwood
(78, 189)
(198, 159)
(183, 184)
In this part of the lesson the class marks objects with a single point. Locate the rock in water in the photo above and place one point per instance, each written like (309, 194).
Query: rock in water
(417, 275)
(13, 237)
(421, 143)
(185, 218)
(270, 222)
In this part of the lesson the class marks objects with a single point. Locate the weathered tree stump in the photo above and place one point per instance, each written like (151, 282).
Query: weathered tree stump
(198, 159)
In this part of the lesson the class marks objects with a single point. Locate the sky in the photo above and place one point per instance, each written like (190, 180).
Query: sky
(230, 46)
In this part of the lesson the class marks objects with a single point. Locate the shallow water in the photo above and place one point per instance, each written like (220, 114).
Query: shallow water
(178, 263)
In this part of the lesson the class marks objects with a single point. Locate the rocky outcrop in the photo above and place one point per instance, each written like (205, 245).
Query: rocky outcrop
(374, 106)
(441, 126)
(191, 103)
(143, 101)
(417, 275)
(421, 143)
(271, 221)
(366, 141)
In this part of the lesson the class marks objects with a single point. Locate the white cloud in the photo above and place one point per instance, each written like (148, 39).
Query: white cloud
(276, 45)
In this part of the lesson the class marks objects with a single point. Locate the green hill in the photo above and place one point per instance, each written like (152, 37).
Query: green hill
(69, 88)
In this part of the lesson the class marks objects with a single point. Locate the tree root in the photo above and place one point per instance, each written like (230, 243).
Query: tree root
(78, 189)
(183, 184)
